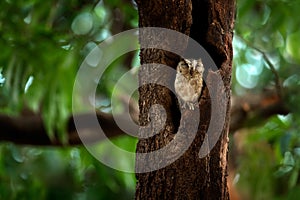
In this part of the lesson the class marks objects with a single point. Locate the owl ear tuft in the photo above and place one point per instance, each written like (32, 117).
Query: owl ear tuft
(187, 61)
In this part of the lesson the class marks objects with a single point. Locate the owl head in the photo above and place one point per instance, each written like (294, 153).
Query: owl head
(195, 64)
(182, 68)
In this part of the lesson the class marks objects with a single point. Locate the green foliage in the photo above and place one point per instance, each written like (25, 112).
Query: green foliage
(271, 34)
(44, 42)
(42, 46)
(266, 55)
(49, 173)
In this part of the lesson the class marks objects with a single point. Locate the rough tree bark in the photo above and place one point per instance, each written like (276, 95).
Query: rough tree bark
(211, 24)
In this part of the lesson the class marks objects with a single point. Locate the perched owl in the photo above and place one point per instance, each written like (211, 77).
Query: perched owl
(188, 82)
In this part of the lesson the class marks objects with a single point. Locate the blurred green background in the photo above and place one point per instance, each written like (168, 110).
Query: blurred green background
(42, 45)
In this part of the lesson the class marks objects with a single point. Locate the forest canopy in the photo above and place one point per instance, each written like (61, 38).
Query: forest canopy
(43, 44)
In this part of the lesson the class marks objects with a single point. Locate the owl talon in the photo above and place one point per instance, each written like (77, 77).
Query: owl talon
(191, 106)
(187, 105)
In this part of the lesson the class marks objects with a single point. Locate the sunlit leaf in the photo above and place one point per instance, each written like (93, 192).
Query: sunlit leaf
(288, 159)
(292, 45)
(82, 24)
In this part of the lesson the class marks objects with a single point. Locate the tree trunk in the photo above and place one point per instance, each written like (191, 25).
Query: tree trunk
(190, 176)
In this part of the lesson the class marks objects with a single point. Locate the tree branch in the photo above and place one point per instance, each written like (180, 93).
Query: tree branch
(247, 111)
(30, 130)
(254, 109)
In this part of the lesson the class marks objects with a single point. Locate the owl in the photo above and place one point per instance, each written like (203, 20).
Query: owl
(188, 81)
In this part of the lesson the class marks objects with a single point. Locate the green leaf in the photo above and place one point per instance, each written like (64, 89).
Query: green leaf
(292, 46)
(82, 24)
(293, 178)
(288, 159)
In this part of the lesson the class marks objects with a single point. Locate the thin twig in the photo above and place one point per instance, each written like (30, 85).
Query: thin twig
(278, 84)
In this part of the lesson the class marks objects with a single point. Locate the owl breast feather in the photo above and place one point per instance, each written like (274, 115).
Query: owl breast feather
(185, 90)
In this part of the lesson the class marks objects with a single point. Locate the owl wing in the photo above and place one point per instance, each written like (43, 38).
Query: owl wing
(196, 84)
